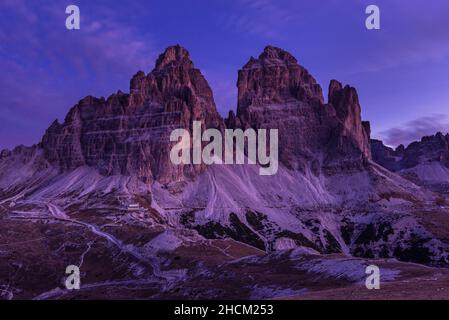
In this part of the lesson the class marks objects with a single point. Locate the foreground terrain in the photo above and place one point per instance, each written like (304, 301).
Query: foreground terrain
(126, 255)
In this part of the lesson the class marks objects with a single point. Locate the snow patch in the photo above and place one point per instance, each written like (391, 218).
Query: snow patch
(349, 269)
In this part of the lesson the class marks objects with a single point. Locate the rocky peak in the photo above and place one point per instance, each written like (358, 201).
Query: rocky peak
(429, 149)
(275, 78)
(274, 91)
(129, 133)
(172, 56)
(276, 56)
(178, 86)
(55, 126)
(335, 89)
(433, 148)
(385, 156)
(400, 150)
(345, 101)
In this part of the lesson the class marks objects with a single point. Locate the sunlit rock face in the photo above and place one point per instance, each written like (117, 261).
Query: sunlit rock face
(129, 133)
(274, 91)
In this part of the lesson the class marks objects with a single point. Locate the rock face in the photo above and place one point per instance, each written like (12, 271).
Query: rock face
(352, 132)
(129, 133)
(275, 78)
(430, 149)
(424, 162)
(386, 156)
(275, 92)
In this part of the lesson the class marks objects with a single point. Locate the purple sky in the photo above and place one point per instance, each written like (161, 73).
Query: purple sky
(400, 72)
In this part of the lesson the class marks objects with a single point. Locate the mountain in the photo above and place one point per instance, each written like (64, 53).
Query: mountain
(274, 91)
(128, 133)
(104, 176)
(425, 162)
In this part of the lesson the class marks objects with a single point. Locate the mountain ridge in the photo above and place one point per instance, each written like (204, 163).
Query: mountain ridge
(328, 195)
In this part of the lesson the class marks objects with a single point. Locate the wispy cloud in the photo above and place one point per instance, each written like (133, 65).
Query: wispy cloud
(264, 18)
(416, 129)
(409, 35)
(47, 68)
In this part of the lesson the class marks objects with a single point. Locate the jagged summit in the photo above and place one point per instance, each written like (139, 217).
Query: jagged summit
(345, 102)
(328, 195)
(335, 88)
(129, 133)
(275, 53)
(274, 78)
(425, 162)
(120, 134)
(274, 91)
(271, 55)
(173, 55)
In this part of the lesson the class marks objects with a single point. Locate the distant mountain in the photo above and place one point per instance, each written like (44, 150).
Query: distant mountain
(424, 162)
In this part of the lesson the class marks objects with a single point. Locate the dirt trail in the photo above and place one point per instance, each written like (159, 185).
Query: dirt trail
(167, 277)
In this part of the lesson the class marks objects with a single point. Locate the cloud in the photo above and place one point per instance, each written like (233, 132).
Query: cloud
(46, 68)
(416, 129)
(410, 34)
(258, 17)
